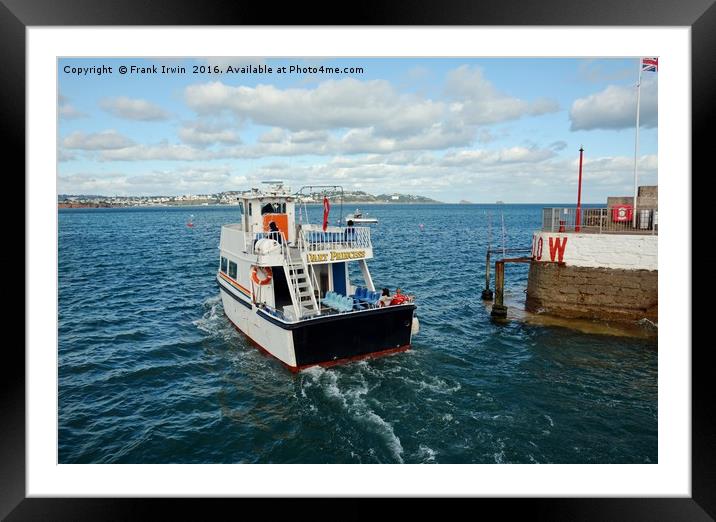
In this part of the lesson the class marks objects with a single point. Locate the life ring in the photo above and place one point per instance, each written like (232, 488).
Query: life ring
(622, 213)
(266, 270)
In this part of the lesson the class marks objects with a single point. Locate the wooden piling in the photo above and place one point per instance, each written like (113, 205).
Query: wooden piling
(499, 310)
(487, 293)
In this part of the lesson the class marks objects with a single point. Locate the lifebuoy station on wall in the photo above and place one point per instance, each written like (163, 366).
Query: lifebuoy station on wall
(597, 263)
(286, 283)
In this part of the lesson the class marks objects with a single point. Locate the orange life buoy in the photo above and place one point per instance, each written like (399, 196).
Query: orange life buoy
(266, 270)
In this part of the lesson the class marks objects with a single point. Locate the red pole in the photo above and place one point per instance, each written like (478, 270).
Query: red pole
(578, 221)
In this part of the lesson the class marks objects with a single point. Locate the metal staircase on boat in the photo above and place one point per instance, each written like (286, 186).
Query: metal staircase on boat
(303, 291)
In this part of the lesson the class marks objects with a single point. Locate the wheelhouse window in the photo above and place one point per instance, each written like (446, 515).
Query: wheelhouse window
(223, 264)
(273, 208)
(232, 270)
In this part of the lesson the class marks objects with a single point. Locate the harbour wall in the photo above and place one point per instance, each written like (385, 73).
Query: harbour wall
(594, 276)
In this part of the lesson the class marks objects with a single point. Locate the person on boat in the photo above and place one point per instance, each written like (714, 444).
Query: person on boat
(385, 298)
(350, 232)
(274, 232)
(398, 298)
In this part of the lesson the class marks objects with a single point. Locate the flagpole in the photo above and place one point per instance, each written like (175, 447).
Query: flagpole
(636, 145)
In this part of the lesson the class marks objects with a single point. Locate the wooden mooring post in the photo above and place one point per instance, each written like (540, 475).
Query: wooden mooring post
(499, 310)
(487, 293)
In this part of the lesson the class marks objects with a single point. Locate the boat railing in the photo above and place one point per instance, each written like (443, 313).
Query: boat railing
(599, 220)
(313, 237)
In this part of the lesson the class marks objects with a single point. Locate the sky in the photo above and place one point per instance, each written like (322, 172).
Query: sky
(452, 129)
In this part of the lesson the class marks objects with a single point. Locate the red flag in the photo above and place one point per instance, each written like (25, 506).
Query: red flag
(326, 209)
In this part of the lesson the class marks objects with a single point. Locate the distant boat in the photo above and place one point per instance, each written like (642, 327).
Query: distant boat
(499, 203)
(359, 217)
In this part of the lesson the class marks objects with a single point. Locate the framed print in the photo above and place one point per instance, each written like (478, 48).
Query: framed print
(217, 188)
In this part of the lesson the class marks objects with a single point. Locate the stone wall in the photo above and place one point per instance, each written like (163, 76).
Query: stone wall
(647, 197)
(592, 293)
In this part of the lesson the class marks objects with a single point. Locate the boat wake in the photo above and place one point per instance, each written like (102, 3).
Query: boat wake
(352, 397)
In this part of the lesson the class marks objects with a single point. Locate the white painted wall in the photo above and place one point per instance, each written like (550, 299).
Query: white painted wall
(635, 252)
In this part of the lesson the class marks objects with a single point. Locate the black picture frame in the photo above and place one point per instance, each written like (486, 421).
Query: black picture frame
(17, 15)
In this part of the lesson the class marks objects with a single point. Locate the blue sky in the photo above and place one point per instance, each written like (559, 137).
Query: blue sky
(475, 129)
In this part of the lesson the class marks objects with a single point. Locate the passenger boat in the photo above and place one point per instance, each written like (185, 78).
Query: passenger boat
(359, 217)
(287, 285)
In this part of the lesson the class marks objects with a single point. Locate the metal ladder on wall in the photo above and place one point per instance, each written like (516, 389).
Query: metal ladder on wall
(303, 294)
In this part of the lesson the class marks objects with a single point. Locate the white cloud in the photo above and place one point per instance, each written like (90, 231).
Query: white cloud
(161, 151)
(70, 112)
(333, 104)
(63, 155)
(203, 134)
(497, 157)
(105, 140)
(615, 108)
(66, 110)
(275, 135)
(133, 109)
(510, 174)
(309, 136)
(105, 184)
(479, 102)
(157, 182)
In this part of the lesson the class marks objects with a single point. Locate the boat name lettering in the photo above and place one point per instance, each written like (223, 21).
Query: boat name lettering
(317, 258)
(335, 256)
(355, 254)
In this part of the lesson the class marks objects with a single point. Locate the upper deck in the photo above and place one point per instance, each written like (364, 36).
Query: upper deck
(333, 245)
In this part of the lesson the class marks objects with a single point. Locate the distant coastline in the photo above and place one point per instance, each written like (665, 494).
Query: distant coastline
(214, 204)
(226, 199)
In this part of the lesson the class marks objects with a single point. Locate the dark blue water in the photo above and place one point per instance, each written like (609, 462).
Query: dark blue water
(151, 371)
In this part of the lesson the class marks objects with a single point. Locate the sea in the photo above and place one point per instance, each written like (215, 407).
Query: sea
(150, 370)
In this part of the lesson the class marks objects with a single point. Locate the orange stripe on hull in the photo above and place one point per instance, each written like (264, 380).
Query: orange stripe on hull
(235, 284)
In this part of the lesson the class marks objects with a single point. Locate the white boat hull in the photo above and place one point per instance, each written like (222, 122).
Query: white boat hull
(269, 337)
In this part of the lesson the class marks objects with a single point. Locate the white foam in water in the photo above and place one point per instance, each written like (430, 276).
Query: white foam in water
(438, 385)
(500, 455)
(212, 322)
(353, 401)
(427, 453)
(331, 388)
(386, 429)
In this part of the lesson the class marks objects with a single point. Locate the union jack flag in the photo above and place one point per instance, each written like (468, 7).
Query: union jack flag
(649, 64)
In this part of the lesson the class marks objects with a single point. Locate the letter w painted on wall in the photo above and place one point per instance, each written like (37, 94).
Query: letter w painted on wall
(557, 246)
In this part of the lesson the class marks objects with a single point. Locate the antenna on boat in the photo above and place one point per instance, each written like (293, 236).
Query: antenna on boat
(489, 230)
(502, 216)
(325, 191)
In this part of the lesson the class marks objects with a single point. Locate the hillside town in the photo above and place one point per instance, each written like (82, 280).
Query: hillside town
(222, 198)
